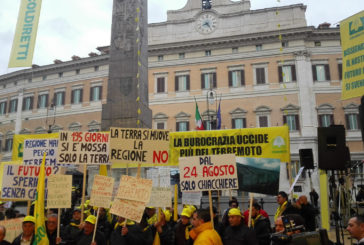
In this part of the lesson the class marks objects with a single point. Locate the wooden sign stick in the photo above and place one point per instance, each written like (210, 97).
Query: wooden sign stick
(29, 204)
(139, 170)
(211, 210)
(97, 218)
(250, 210)
(59, 223)
(83, 192)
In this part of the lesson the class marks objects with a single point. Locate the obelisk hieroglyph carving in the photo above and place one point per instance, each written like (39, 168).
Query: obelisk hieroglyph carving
(127, 92)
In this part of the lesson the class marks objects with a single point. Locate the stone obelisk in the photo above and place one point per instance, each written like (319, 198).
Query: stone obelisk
(127, 92)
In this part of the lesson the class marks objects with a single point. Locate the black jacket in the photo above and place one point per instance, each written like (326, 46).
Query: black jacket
(18, 239)
(180, 234)
(134, 236)
(262, 230)
(83, 239)
(70, 232)
(4, 242)
(237, 235)
(308, 213)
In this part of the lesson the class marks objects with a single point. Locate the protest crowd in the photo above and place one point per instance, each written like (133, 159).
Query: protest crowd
(191, 226)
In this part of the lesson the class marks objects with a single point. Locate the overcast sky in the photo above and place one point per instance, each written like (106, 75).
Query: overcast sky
(77, 27)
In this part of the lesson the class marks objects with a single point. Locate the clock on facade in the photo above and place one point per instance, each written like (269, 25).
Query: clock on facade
(206, 23)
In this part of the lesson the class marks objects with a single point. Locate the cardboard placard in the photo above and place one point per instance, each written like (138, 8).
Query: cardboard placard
(20, 181)
(135, 189)
(101, 192)
(216, 172)
(135, 145)
(34, 149)
(59, 191)
(13, 228)
(91, 148)
(192, 198)
(132, 210)
(161, 197)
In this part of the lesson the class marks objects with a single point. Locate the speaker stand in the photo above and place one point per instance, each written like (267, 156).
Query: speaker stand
(336, 211)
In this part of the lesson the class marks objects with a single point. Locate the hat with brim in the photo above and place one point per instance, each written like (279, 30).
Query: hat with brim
(234, 212)
(91, 219)
(29, 219)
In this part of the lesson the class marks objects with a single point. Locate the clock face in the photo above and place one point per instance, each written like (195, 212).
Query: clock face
(206, 23)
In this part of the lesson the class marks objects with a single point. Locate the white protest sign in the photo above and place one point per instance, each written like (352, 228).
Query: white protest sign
(13, 228)
(204, 173)
(161, 177)
(132, 210)
(136, 145)
(161, 197)
(135, 189)
(20, 181)
(101, 192)
(192, 198)
(90, 148)
(34, 150)
(59, 191)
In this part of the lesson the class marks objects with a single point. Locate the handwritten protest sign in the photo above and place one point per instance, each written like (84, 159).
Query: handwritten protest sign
(208, 173)
(132, 210)
(161, 177)
(13, 228)
(83, 148)
(161, 197)
(135, 189)
(102, 190)
(192, 198)
(131, 145)
(34, 150)
(59, 191)
(20, 181)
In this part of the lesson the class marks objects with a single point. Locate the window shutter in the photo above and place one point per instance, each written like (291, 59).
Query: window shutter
(92, 93)
(188, 126)
(332, 119)
(100, 93)
(23, 105)
(340, 68)
(294, 75)
(63, 97)
(280, 75)
(1, 143)
(6, 103)
(284, 120)
(320, 120)
(72, 97)
(347, 121)
(188, 82)
(176, 83)
(31, 103)
(9, 106)
(54, 98)
(230, 78)
(16, 105)
(242, 81)
(177, 127)
(327, 73)
(47, 97)
(233, 123)
(81, 95)
(38, 104)
(314, 73)
(297, 119)
(214, 80)
(358, 121)
(202, 81)
(244, 122)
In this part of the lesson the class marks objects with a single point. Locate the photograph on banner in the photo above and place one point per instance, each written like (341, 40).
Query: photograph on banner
(136, 145)
(161, 197)
(128, 209)
(205, 173)
(101, 192)
(91, 148)
(269, 142)
(20, 181)
(35, 148)
(18, 143)
(135, 189)
(352, 36)
(258, 175)
(192, 198)
(59, 191)
(13, 228)
(161, 177)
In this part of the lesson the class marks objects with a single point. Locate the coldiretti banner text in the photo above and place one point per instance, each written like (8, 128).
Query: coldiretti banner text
(25, 34)
(352, 41)
(250, 142)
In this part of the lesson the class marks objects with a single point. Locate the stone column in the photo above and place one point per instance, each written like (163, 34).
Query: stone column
(18, 120)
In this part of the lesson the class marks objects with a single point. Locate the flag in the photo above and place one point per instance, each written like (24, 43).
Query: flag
(198, 119)
(40, 230)
(218, 126)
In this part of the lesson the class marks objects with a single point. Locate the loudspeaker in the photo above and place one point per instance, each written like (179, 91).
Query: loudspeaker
(306, 158)
(332, 151)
